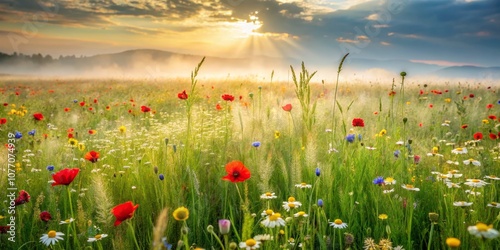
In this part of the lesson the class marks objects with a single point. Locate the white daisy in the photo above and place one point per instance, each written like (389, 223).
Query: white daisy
(462, 204)
(475, 183)
(268, 196)
(459, 151)
(273, 221)
(472, 192)
(452, 162)
(267, 212)
(291, 203)
(51, 238)
(494, 204)
(389, 181)
(474, 162)
(482, 230)
(388, 191)
(97, 237)
(410, 187)
(263, 237)
(338, 224)
(300, 214)
(303, 185)
(492, 177)
(250, 244)
(66, 221)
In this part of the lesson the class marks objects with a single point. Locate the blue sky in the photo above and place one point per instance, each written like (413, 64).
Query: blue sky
(442, 32)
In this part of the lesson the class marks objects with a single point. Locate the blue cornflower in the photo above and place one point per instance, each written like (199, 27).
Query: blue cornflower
(50, 167)
(397, 153)
(320, 203)
(256, 144)
(379, 180)
(18, 135)
(318, 172)
(32, 132)
(75, 101)
(161, 176)
(498, 102)
(350, 137)
(167, 245)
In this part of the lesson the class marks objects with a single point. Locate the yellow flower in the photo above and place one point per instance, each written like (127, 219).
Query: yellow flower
(181, 214)
(122, 129)
(447, 100)
(73, 142)
(382, 132)
(453, 242)
(383, 216)
(81, 146)
(277, 134)
(435, 150)
(485, 121)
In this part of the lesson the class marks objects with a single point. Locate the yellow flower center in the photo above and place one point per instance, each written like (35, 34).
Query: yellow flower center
(67, 221)
(291, 205)
(481, 227)
(303, 184)
(52, 234)
(338, 221)
(98, 236)
(269, 194)
(493, 203)
(453, 242)
(250, 242)
(459, 149)
(389, 179)
(409, 186)
(275, 217)
(181, 214)
(301, 213)
(291, 199)
(476, 180)
(269, 212)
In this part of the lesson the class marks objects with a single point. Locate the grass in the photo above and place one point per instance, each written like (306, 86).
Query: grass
(188, 142)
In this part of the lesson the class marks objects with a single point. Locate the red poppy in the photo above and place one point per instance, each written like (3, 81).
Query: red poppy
(416, 159)
(493, 136)
(82, 104)
(70, 135)
(227, 97)
(236, 172)
(145, 109)
(92, 132)
(67, 109)
(22, 198)
(421, 92)
(218, 107)
(287, 107)
(478, 136)
(45, 216)
(5, 104)
(90, 109)
(95, 100)
(471, 95)
(358, 122)
(430, 105)
(38, 116)
(123, 211)
(4, 229)
(392, 93)
(492, 117)
(464, 126)
(489, 106)
(3, 121)
(183, 95)
(92, 156)
(65, 176)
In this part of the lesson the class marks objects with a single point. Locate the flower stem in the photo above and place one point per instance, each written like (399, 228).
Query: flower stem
(133, 234)
(430, 237)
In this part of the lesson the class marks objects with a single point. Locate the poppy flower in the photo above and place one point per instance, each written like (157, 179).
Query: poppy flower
(471, 95)
(45, 216)
(492, 117)
(145, 109)
(92, 132)
(183, 95)
(82, 104)
(358, 122)
(227, 97)
(38, 116)
(22, 198)
(65, 176)
(489, 106)
(218, 106)
(464, 126)
(92, 156)
(123, 211)
(478, 136)
(3, 121)
(493, 136)
(392, 93)
(67, 109)
(236, 172)
(287, 107)
(5, 104)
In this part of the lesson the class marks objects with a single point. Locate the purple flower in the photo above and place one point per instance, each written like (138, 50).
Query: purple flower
(50, 167)
(320, 203)
(224, 226)
(397, 153)
(350, 137)
(256, 144)
(161, 176)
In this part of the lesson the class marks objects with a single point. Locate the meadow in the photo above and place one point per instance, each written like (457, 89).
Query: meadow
(197, 163)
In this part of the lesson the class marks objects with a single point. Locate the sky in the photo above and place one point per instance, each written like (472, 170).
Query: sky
(439, 32)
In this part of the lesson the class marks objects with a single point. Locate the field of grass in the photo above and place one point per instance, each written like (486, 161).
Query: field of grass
(389, 165)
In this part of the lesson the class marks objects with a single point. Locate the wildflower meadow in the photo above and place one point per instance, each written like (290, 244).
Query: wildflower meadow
(200, 163)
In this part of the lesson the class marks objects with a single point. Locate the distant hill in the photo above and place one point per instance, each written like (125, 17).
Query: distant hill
(149, 63)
